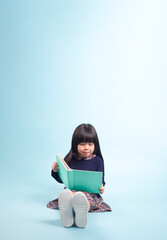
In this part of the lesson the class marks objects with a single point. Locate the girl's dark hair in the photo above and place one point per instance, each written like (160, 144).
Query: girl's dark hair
(83, 133)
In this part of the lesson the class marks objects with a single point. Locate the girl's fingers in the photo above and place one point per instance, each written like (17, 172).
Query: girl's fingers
(54, 164)
(55, 167)
(101, 190)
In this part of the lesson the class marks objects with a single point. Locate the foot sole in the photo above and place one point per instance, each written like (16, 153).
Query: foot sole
(65, 206)
(80, 206)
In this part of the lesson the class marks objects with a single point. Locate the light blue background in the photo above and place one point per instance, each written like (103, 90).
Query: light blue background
(69, 62)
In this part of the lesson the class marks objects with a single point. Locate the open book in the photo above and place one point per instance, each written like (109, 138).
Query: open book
(79, 180)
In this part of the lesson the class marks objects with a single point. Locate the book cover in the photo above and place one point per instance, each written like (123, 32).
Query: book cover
(79, 180)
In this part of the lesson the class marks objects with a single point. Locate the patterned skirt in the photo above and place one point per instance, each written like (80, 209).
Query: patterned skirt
(96, 203)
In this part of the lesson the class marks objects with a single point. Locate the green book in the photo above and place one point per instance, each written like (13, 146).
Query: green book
(79, 180)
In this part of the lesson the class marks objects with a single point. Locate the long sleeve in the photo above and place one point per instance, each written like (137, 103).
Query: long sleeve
(100, 168)
(55, 175)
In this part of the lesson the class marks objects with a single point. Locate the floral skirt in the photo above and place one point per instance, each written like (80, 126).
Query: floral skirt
(96, 203)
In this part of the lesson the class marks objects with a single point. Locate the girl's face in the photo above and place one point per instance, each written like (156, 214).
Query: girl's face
(85, 149)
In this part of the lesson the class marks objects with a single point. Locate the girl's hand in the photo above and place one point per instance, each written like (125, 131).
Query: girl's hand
(55, 167)
(102, 189)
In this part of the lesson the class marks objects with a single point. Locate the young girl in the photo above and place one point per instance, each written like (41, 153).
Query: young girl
(85, 154)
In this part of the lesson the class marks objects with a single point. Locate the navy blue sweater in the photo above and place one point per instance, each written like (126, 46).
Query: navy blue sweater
(93, 164)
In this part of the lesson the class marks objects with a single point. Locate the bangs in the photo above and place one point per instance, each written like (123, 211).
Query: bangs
(85, 137)
(85, 140)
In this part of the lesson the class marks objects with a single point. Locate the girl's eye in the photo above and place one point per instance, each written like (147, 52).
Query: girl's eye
(90, 144)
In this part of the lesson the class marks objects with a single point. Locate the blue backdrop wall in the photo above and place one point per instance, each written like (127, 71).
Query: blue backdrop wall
(64, 63)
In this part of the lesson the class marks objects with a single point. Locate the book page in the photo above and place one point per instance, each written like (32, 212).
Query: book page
(64, 163)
